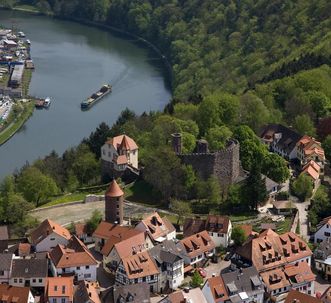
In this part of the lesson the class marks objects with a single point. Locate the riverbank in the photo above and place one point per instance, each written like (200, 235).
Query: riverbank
(17, 123)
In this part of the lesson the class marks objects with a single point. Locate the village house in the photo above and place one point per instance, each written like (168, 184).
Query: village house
(268, 250)
(118, 154)
(137, 269)
(218, 227)
(124, 242)
(159, 229)
(47, 235)
(322, 258)
(295, 296)
(193, 295)
(6, 261)
(308, 148)
(281, 140)
(74, 258)
(197, 248)
(244, 285)
(312, 170)
(86, 292)
(280, 281)
(13, 294)
(170, 263)
(29, 273)
(215, 291)
(103, 232)
(59, 290)
(137, 293)
(82, 233)
(323, 230)
(22, 250)
(4, 237)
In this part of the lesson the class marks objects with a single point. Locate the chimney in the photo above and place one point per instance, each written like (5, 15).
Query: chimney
(177, 143)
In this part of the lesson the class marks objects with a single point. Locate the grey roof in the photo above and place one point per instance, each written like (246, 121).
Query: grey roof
(289, 137)
(4, 232)
(323, 251)
(5, 262)
(134, 293)
(166, 252)
(30, 268)
(243, 280)
(270, 184)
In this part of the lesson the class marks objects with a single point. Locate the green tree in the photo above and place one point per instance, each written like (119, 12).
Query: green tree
(181, 209)
(327, 147)
(35, 186)
(208, 115)
(94, 221)
(275, 168)
(217, 137)
(196, 280)
(304, 125)
(209, 190)
(302, 187)
(320, 103)
(238, 236)
(255, 187)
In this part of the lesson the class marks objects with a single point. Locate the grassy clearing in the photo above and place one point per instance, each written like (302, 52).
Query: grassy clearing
(142, 192)
(284, 226)
(243, 217)
(27, 75)
(65, 199)
(27, 8)
(13, 127)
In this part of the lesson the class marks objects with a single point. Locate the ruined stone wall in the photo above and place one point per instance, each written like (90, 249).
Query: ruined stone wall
(224, 164)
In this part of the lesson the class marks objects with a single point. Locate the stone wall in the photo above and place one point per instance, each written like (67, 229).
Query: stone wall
(223, 164)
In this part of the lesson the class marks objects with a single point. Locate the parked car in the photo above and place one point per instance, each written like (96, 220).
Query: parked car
(202, 272)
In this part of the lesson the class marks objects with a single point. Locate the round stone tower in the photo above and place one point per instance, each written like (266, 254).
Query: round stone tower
(114, 200)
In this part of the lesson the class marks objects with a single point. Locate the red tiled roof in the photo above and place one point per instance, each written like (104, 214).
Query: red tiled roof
(13, 294)
(114, 190)
(24, 249)
(269, 250)
(74, 254)
(218, 289)
(60, 287)
(295, 296)
(128, 143)
(80, 229)
(197, 244)
(139, 265)
(312, 169)
(46, 228)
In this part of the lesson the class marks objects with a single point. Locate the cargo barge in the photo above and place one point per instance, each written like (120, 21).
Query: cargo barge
(104, 90)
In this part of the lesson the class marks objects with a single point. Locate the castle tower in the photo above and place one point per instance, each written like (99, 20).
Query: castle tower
(114, 200)
(177, 143)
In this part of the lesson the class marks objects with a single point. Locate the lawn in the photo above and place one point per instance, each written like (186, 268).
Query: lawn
(243, 217)
(142, 192)
(66, 198)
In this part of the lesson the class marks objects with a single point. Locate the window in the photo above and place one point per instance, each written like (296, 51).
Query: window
(2, 272)
(54, 300)
(52, 239)
(87, 267)
(63, 289)
(78, 267)
(63, 300)
(40, 280)
(117, 206)
(87, 276)
(55, 288)
(15, 280)
(21, 280)
(327, 234)
(34, 280)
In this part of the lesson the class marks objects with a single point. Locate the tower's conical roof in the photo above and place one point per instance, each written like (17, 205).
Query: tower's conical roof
(114, 190)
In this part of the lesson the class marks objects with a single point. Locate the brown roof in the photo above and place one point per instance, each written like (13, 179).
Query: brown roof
(105, 230)
(80, 229)
(197, 244)
(86, 292)
(124, 242)
(295, 296)
(121, 159)
(176, 297)
(46, 228)
(24, 249)
(13, 294)
(311, 146)
(139, 265)
(156, 226)
(4, 232)
(218, 289)
(114, 190)
(60, 287)
(312, 169)
(269, 250)
(275, 279)
(213, 223)
(74, 254)
(128, 143)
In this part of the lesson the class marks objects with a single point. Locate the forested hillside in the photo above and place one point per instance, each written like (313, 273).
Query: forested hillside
(219, 44)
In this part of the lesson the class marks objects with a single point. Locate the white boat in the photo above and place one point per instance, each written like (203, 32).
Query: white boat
(28, 41)
(47, 102)
(21, 34)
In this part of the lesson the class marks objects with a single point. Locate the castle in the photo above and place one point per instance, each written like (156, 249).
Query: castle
(223, 164)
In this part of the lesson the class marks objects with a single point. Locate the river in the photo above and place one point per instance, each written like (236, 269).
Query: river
(72, 61)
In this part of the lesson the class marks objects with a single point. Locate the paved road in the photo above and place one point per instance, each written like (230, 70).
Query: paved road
(81, 212)
(303, 218)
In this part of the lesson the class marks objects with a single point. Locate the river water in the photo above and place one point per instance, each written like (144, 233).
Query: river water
(72, 61)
